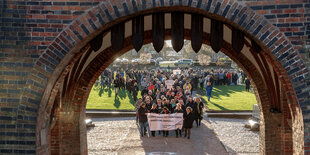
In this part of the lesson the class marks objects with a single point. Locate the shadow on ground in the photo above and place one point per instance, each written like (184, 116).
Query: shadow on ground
(226, 90)
(203, 141)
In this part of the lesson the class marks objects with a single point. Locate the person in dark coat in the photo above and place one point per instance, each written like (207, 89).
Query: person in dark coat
(135, 91)
(155, 111)
(247, 85)
(159, 105)
(199, 109)
(188, 122)
(182, 105)
(166, 103)
(178, 109)
(148, 105)
(165, 111)
(117, 82)
(142, 119)
(193, 105)
(144, 91)
(137, 106)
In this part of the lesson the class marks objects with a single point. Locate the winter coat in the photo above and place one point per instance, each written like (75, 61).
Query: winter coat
(154, 111)
(137, 106)
(143, 84)
(159, 107)
(194, 107)
(148, 106)
(209, 90)
(178, 111)
(168, 112)
(187, 85)
(200, 107)
(169, 106)
(142, 114)
(117, 82)
(144, 91)
(135, 90)
(188, 120)
(247, 83)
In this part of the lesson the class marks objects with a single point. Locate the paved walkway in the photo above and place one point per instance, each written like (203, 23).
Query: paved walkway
(121, 136)
(236, 138)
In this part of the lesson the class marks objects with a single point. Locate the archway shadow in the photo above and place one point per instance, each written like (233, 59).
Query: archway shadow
(226, 91)
(203, 141)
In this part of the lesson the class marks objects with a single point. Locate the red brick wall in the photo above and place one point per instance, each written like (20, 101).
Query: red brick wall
(29, 53)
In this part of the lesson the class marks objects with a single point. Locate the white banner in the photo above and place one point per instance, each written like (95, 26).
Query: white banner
(165, 121)
(169, 84)
(176, 71)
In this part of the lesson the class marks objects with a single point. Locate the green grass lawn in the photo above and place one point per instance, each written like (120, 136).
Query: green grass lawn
(230, 98)
(105, 99)
(223, 98)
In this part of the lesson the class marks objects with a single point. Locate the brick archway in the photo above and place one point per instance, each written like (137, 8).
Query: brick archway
(102, 60)
(67, 48)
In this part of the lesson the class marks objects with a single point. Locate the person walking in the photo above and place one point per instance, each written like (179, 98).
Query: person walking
(142, 119)
(209, 90)
(188, 122)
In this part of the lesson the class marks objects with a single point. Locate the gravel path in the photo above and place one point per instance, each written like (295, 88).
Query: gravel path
(120, 136)
(236, 138)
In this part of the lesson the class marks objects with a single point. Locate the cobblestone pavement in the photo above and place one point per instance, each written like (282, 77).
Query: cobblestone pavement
(236, 138)
(121, 136)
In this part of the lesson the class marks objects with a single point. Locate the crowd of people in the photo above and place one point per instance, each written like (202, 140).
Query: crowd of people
(167, 91)
(134, 80)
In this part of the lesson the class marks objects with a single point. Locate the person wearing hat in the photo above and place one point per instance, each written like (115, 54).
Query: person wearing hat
(188, 122)
(165, 111)
(142, 119)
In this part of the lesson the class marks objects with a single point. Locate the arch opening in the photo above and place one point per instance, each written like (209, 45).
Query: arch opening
(70, 91)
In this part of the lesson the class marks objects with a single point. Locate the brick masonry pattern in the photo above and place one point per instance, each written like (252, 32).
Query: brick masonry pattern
(36, 35)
